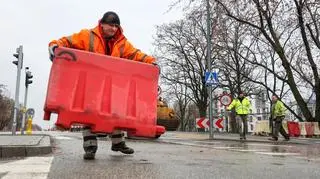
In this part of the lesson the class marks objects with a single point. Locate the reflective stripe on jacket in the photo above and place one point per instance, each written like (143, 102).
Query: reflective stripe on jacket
(243, 107)
(92, 40)
(278, 109)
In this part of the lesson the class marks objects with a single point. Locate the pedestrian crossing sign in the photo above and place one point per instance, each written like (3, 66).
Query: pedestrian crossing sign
(211, 78)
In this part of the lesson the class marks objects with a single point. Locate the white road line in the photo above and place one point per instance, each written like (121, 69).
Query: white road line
(277, 153)
(30, 167)
(268, 145)
(63, 138)
(247, 150)
(227, 147)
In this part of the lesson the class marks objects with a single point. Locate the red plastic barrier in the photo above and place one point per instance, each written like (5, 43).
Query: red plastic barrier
(293, 129)
(309, 129)
(103, 92)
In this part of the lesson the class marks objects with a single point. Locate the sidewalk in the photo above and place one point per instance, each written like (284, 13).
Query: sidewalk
(235, 137)
(24, 145)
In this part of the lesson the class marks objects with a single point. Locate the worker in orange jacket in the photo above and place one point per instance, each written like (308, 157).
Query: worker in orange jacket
(106, 38)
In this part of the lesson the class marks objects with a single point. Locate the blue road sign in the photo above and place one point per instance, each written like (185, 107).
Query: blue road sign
(211, 78)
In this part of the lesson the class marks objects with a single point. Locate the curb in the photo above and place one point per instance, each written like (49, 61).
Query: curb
(171, 141)
(257, 141)
(262, 140)
(42, 148)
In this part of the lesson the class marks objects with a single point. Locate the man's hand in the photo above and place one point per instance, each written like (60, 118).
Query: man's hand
(52, 48)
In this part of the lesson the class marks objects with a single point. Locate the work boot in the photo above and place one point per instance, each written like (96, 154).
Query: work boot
(122, 147)
(89, 155)
(286, 139)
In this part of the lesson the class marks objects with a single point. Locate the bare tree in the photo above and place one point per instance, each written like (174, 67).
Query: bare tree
(181, 50)
(275, 21)
(180, 94)
(6, 108)
(236, 72)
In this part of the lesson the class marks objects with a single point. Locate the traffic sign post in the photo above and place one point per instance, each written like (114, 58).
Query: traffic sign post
(211, 78)
(202, 123)
(217, 123)
(30, 112)
(225, 99)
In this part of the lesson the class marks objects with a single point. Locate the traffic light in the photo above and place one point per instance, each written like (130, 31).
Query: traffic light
(29, 77)
(19, 56)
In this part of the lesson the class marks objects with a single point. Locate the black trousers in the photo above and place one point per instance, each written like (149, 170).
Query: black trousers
(279, 128)
(242, 124)
(90, 142)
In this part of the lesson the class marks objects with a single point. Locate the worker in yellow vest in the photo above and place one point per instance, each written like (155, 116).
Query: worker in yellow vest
(278, 112)
(242, 106)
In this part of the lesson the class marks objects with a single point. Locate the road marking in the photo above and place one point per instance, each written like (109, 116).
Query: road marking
(268, 145)
(63, 138)
(208, 143)
(227, 147)
(30, 167)
(248, 150)
(277, 153)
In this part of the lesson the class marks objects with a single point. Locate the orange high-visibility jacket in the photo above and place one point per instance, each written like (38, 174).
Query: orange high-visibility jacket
(92, 40)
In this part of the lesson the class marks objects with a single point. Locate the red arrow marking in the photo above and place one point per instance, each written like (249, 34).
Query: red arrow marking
(218, 123)
(199, 122)
(208, 123)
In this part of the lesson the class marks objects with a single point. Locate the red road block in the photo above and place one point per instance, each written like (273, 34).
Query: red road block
(309, 129)
(103, 92)
(293, 129)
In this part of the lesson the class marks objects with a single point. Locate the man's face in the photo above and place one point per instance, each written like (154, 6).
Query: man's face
(274, 98)
(109, 30)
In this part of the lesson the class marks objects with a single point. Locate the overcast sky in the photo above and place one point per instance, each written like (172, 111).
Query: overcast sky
(34, 23)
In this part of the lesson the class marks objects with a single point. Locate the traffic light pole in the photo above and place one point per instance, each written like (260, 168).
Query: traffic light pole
(24, 110)
(19, 55)
(27, 82)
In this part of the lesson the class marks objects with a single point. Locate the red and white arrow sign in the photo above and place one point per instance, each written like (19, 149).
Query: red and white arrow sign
(205, 123)
(217, 123)
(202, 122)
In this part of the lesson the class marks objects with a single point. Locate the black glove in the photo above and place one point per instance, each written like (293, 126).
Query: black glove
(52, 48)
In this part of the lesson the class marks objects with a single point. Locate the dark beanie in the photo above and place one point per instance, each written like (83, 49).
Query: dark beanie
(110, 18)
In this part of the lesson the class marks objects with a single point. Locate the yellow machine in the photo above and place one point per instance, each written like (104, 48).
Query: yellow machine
(166, 116)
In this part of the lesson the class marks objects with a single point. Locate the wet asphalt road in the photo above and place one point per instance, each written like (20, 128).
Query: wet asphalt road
(175, 158)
